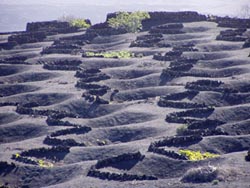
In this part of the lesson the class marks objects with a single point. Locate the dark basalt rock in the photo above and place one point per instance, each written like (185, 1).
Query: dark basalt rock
(6, 168)
(55, 121)
(232, 22)
(8, 104)
(247, 44)
(87, 86)
(159, 18)
(176, 141)
(92, 78)
(15, 59)
(176, 104)
(59, 142)
(63, 65)
(55, 153)
(181, 67)
(169, 56)
(149, 40)
(8, 45)
(53, 113)
(178, 117)
(170, 154)
(90, 71)
(211, 85)
(98, 92)
(204, 132)
(25, 160)
(181, 95)
(174, 28)
(119, 177)
(103, 29)
(29, 37)
(76, 130)
(205, 124)
(247, 157)
(185, 48)
(53, 27)
(62, 49)
(232, 35)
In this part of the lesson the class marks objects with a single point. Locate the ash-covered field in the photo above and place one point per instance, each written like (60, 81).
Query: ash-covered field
(68, 119)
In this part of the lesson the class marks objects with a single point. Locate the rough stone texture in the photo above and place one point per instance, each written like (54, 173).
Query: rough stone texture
(159, 18)
(233, 22)
(52, 27)
(28, 37)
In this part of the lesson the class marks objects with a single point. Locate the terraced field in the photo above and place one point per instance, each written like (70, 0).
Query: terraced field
(71, 120)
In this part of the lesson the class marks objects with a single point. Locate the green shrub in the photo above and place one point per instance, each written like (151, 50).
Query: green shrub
(131, 22)
(45, 164)
(76, 22)
(113, 54)
(81, 23)
(197, 155)
(215, 182)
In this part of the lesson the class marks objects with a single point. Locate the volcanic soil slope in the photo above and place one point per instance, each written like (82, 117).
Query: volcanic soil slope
(72, 117)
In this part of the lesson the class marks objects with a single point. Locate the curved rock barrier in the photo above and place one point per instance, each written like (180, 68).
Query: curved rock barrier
(103, 29)
(76, 130)
(178, 117)
(176, 141)
(62, 48)
(214, 85)
(52, 27)
(181, 67)
(61, 142)
(233, 22)
(94, 172)
(176, 104)
(185, 48)
(124, 157)
(55, 121)
(62, 65)
(181, 95)
(14, 60)
(173, 28)
(8, 104)
(203, 132)
(56, 153)
(170, 154)
(27, 37)
(205, 124)
(169, 56)
(53, 113)
(149, 40)
(159, 18)
(232, 35)
(119, 177)
(89, 77)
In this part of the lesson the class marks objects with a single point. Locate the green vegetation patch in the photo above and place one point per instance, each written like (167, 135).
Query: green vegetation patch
(113, 54)
(131, 22)
(197, 155)
(81, 23)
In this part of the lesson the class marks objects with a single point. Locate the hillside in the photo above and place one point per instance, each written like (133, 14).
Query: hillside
(73, 114)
